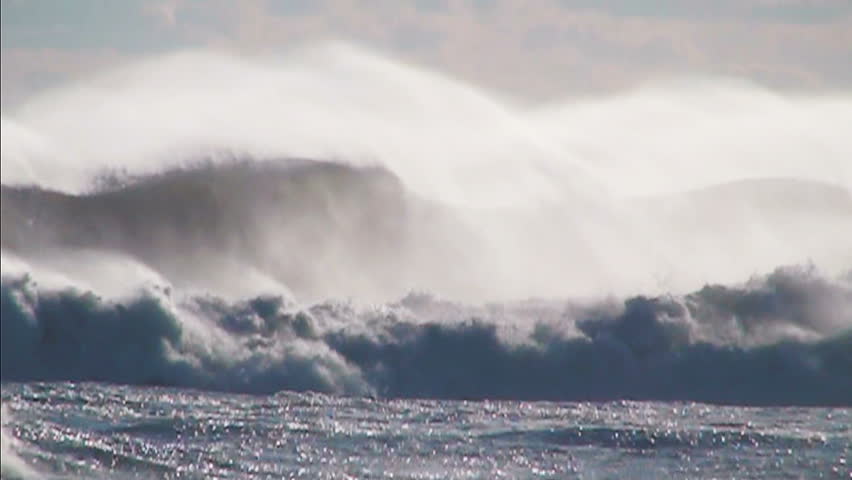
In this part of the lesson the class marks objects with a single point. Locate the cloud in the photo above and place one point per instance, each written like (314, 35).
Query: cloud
(535, 49)
(797, 11)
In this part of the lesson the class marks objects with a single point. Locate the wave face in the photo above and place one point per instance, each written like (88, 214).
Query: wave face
(294, 220)
(206, 240)
(323, 229)
(779, 339)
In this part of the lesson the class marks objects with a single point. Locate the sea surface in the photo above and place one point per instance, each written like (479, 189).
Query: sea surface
(89, 430)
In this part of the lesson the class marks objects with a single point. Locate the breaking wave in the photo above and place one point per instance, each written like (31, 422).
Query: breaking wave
(320, 229)
(292, 223)
(783, 338)
(629, 223)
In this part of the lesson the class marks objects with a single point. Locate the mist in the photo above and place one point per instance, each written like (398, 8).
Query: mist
(661, 188)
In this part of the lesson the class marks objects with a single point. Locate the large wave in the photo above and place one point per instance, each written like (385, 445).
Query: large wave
(322, 229)
(207, 226)
(191, 220)
(779, 339)
(536, 200)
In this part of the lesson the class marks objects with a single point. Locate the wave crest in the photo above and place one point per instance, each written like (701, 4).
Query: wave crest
(663, 348)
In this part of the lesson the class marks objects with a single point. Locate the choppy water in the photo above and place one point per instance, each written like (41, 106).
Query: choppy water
(67, 430)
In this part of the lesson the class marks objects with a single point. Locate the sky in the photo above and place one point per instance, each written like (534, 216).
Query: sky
(529, 49)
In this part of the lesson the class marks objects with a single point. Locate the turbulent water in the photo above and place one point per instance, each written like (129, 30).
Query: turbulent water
(332, 264)
(101, 431)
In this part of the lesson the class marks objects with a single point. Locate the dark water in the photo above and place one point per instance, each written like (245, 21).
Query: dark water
(67, 430)
(781, 339)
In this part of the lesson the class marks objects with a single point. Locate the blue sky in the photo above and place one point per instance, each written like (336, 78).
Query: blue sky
(530, 48)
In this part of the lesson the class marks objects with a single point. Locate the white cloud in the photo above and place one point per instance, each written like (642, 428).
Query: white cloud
(538, 49)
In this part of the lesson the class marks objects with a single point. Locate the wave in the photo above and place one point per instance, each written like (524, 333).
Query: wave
(321, 229)
(783, 338)
(346, 175)
(290, 219)
(426, 183)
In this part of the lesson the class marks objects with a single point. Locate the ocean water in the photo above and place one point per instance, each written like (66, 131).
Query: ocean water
(335, 265)
(197, 387)
(87, 430)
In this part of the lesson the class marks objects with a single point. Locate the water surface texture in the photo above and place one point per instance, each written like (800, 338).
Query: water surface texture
(101, 431)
